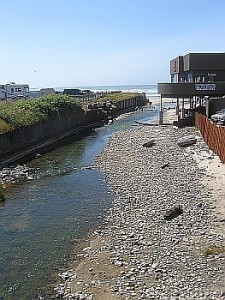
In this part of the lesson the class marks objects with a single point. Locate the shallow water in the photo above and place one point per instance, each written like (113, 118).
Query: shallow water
(41, 220)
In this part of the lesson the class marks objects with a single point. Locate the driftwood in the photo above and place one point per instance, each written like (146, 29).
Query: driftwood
(173, 213)
(150, 143)
(145, 123)
(165, 165)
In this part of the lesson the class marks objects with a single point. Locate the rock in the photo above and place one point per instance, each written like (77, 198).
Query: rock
(186, 141)
(161, 260)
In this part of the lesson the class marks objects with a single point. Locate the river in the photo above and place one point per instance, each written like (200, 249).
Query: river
(43, 219)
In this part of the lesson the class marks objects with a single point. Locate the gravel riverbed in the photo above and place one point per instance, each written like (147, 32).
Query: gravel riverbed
(137, 254)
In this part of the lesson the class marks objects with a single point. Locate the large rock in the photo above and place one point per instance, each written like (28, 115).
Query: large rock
(186, 141)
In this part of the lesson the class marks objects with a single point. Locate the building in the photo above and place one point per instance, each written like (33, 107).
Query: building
(47, 91)
(73, 92)
(35, 93)
(197, 83)
(12, 91)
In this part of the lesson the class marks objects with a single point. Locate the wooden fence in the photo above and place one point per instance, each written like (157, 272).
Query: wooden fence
(213, 135)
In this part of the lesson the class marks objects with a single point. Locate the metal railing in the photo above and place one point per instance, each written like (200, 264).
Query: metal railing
(213, 135)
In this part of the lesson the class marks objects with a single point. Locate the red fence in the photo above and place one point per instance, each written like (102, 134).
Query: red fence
(213, 135)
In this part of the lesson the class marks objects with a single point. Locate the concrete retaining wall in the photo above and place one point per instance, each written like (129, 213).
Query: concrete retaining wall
(26, 140)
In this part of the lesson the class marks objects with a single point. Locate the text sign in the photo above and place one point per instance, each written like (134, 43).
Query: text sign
(205, 86)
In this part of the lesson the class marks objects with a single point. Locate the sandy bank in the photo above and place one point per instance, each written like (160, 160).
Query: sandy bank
(139, 255)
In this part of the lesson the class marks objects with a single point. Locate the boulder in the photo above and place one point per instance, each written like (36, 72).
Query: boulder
(186, 141)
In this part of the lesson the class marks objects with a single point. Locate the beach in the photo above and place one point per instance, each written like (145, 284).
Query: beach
(137, 253)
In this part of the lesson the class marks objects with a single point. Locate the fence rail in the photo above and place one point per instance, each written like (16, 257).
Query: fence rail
(213, 135)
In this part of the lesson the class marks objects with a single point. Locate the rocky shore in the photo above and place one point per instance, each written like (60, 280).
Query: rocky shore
(138, 254)
(17, 173)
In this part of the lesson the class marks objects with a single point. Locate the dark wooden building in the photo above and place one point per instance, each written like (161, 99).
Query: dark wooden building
(198, 78)
(72, 92)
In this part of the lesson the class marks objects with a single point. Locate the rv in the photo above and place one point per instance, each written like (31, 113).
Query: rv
(14, 91)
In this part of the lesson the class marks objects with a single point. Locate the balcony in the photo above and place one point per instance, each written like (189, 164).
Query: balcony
(190, 89)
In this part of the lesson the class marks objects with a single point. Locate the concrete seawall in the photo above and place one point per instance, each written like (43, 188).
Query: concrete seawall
(23, 141)
(26, 140)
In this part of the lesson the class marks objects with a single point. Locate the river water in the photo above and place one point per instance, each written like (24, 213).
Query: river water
(42, 220)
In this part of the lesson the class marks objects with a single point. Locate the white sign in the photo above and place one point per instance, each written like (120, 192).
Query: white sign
(205, 86)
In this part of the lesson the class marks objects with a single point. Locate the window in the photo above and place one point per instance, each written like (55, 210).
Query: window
(174, 78)
(18, 90)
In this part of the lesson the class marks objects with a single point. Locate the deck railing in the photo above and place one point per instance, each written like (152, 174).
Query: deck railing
(213, 135)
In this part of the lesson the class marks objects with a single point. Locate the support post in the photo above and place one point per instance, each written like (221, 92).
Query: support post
(161, 111)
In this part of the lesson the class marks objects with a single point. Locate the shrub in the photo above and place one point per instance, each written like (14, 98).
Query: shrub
(30, 111)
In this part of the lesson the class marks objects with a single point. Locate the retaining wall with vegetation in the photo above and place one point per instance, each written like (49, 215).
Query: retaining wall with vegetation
(25, 140)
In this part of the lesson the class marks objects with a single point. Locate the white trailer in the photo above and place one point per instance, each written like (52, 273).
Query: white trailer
(14, 91)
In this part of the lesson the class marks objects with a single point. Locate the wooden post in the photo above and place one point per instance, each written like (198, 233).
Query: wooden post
(177, 107)
(161, 111)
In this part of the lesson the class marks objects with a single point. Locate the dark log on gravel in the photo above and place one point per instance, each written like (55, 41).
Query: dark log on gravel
(164, 166)
(149, 143)
(173, 213)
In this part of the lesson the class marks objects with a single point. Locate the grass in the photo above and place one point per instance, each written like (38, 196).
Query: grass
(119, 96)
(4, 127)
(30, 111)
(212, 250)
(113, 96)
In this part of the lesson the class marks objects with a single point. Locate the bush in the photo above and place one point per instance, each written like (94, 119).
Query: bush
(30, 111)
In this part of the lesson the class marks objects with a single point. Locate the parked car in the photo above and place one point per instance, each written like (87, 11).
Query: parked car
(219, 117)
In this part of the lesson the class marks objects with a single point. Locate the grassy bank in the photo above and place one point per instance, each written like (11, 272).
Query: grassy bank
(30, 111)
(118, 96)
(114, 96)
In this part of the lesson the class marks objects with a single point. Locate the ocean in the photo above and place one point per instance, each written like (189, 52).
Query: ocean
(149, 90)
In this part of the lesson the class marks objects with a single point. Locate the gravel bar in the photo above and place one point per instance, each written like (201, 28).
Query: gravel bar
(137, 254)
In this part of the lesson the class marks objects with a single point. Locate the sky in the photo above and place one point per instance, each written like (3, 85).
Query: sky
(75, 43)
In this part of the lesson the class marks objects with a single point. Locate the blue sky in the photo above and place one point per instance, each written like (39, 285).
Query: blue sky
(52, 43)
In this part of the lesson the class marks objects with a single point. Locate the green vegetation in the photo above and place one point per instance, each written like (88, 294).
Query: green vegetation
(212, 250)
(118, 96)
(4, 127)
(30, 111)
